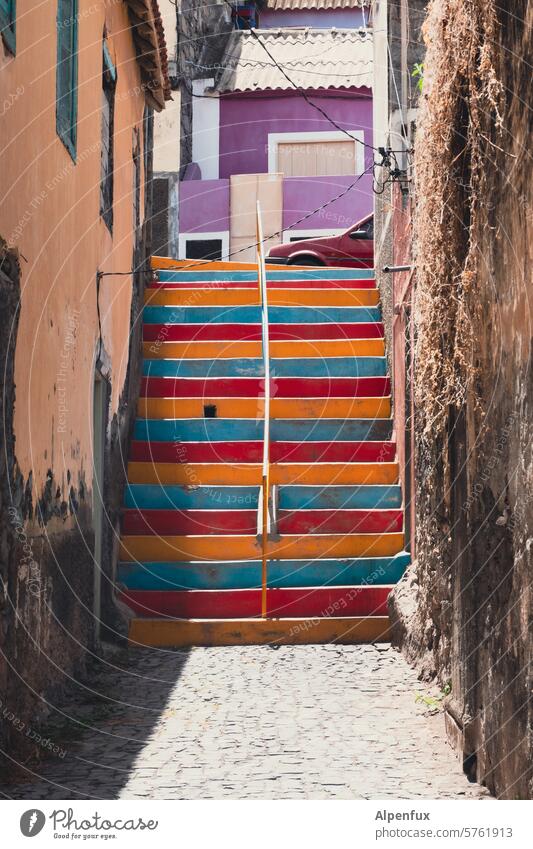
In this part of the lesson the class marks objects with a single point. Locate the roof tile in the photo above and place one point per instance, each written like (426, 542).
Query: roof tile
(311, 58)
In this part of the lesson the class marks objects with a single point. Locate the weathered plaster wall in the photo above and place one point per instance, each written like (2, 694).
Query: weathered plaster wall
(202, 32)
(50, 215)
(463, 612)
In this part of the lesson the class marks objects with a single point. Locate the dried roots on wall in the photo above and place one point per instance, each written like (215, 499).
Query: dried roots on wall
(463, 612)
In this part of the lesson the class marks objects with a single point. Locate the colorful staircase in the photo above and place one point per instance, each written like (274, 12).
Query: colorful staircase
(190, 564)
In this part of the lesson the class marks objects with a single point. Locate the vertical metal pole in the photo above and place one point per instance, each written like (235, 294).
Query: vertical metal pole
(265, 482)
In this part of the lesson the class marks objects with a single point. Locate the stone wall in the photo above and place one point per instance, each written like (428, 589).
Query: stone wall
(202, 32)
(462, 614)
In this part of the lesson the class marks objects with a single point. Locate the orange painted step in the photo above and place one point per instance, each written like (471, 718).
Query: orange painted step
(184, 633)
(253, 408)
(250, 474)
(289, 349)
(180, 548)
(250, 296)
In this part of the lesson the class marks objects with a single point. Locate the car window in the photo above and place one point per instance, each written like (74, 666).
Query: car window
(368, 228)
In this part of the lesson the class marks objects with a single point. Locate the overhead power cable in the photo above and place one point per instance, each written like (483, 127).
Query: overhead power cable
(297, 88)
(278, 232)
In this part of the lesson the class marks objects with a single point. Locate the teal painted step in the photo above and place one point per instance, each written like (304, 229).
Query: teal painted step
(373, 496)
(252, 315)
(222, 575)
(235, 276)
(156, 497)
(168, 497)
(251, 430)
(303, 367)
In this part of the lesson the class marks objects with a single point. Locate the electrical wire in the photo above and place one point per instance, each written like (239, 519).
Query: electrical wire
(297, 88)
(263, 240)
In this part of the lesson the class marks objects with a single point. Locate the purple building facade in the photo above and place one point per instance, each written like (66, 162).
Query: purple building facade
(294, 113)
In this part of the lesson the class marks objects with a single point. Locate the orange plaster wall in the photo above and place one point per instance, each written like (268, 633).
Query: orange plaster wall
(49, 210)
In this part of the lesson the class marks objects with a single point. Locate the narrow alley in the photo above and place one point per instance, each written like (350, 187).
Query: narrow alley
(252, 722)
(266, 418)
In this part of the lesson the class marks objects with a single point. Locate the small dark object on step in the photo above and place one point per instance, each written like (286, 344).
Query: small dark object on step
(210, 411)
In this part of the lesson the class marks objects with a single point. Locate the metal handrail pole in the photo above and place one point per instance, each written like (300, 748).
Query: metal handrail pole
(265, 477)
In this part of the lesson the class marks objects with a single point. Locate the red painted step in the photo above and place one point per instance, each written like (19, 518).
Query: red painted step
(245, 604)
(189, 522)
(197, 452)
(254, 387)
(252, 452)
(340, 521)
(253, 333)
(272, 284)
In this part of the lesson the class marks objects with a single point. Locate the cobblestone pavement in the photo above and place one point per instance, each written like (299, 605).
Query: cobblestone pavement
(314, 722)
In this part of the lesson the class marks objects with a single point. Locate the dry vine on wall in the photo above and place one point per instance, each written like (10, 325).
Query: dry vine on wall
(461, 97)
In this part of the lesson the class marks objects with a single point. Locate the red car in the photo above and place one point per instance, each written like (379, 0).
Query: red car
(353, 249)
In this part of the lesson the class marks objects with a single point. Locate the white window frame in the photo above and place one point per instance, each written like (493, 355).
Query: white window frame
(312, 234)
(223, 235)
(275, 139)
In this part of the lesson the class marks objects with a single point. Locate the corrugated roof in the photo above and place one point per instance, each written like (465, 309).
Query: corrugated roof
(285, 5)
(311, 58)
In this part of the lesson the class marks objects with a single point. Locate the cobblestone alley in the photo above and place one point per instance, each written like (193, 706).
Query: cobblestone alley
(312, 722)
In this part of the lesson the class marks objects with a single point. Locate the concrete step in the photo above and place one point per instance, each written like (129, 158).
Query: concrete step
(227, 574)
(339, 497)
(253, 408)
(158, 496)
(252, 452)
(158, 348)
(195, 276)
(331, 296)
(236, 604)
(183, 633)
(254, 387)
(250, 474)
(205, 548)
(244, 522)
(247, 367)
(252, 315)
(252, 332)
(281, 430)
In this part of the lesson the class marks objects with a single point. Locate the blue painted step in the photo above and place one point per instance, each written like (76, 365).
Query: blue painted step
(303, 367)
(252, 315)
(378, 497)
(247, 574)
(251, 430)
(234, 276)
(168, 497)
(156, 497)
